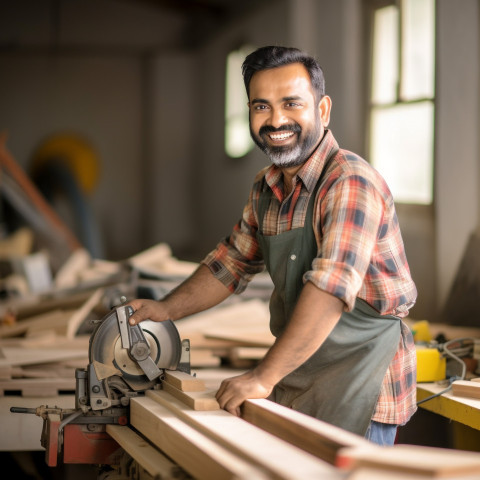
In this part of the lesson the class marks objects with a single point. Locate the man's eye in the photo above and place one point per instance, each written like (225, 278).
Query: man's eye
(293, 105)
(260, 107)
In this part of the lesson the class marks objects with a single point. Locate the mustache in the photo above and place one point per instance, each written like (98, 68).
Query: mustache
(294, 127)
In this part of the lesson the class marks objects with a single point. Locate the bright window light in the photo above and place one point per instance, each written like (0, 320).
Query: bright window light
(385, 55)
(402, 150)
(237, 131)
(402, 98)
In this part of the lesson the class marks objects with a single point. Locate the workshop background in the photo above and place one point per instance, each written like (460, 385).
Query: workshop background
(142, 83)
(119, 113)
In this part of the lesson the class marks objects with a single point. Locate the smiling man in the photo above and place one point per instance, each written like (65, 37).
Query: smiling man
(323, 223)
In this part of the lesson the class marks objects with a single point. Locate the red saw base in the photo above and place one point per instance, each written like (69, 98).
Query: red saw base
(81, 446)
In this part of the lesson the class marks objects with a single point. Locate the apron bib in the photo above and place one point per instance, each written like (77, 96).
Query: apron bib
(340, 382)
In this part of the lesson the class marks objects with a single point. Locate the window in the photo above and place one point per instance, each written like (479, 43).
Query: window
(237, 131)
(402, 98)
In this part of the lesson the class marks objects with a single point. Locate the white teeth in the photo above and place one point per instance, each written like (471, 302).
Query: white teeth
(281, 136)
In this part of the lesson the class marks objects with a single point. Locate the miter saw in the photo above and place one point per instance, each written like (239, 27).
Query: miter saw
(124, 362)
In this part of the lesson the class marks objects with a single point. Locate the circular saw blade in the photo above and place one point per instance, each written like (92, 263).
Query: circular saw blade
(106, 352)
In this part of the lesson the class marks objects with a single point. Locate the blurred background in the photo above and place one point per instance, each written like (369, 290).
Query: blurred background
(130, 117)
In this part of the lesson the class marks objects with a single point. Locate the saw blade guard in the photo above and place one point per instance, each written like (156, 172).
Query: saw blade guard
(109, 356)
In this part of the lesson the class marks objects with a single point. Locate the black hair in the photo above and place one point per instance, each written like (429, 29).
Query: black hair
(272, 57)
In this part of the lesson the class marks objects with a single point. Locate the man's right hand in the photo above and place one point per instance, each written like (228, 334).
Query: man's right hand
(147, 310)
(197, 293)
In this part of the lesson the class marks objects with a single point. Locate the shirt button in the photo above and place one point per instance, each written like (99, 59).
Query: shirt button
(293, 257)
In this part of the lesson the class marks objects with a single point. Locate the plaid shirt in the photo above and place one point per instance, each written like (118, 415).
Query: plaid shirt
(360, 251)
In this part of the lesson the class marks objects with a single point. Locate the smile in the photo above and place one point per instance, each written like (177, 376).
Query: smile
(281, 136)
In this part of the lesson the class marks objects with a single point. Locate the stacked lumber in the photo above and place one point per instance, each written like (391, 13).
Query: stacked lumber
(39, 354)
(236, 334)
(183, 423)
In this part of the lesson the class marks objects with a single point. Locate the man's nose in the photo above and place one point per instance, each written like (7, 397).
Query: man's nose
(278, 117)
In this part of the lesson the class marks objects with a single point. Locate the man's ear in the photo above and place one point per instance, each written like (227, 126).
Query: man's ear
(324, 107)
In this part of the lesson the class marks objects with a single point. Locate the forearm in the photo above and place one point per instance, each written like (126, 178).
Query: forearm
(199, 292)
(314, 317)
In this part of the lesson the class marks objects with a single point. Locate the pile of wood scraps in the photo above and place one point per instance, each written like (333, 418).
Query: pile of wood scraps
(39, 354)
(236, 334)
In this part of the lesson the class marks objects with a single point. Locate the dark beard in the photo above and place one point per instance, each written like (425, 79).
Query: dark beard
(288, 156)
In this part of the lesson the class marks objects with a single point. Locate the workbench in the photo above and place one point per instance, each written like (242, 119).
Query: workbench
(460, 409)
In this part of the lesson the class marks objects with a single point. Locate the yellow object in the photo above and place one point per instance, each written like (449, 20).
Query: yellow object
(431, 366)
(421, 331)
(76, 152)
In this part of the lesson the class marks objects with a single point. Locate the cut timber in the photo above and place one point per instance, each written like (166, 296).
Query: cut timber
(314, 436)
(183, 381)
(81, 314)
(412, 459)
(158, 261)
(246, 357)
(465, 388)
(193, 451)
(153, 461)
(197, 400)
(365, 473)
(37, 387)
(55, 319)
(203, 358)
(278, 458)
(244, 322)
(32, 356)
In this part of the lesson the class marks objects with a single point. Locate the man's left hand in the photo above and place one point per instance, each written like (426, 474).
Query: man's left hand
(234, 391)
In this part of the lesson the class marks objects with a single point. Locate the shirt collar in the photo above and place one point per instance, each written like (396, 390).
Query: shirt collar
(312, 168)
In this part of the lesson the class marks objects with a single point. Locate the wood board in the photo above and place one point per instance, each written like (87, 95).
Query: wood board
(314, 436)
(464, 388)
(196, 453)
(411, 459)
(278, 458)
(150, 458)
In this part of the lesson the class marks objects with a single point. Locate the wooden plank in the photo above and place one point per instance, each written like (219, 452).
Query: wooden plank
(464, 388)
(412, 459)
(278, 458)
(55, 319)
(203, 358)
(365, 473)
(149, 457)
(80, 315)
(32, 356)
(238, 319)
(37, 387)
(314, 436)
(184, 382)
(197, 400)
(193, 451)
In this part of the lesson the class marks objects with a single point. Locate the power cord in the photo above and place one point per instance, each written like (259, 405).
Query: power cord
(446, 349)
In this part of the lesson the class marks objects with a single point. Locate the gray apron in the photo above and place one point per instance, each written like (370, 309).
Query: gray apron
(341, 381)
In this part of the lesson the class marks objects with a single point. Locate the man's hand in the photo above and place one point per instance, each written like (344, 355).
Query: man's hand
(234, 391)
(147, 309)
(197, 293)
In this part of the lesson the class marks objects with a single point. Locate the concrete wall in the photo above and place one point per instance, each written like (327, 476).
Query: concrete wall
(457, 135)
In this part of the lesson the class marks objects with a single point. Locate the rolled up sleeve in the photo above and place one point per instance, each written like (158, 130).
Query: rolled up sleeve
(348, 219)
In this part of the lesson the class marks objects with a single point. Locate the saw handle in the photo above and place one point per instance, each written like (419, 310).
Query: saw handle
(23, 410)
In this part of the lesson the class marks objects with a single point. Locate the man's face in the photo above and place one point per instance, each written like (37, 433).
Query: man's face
(285, 121)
